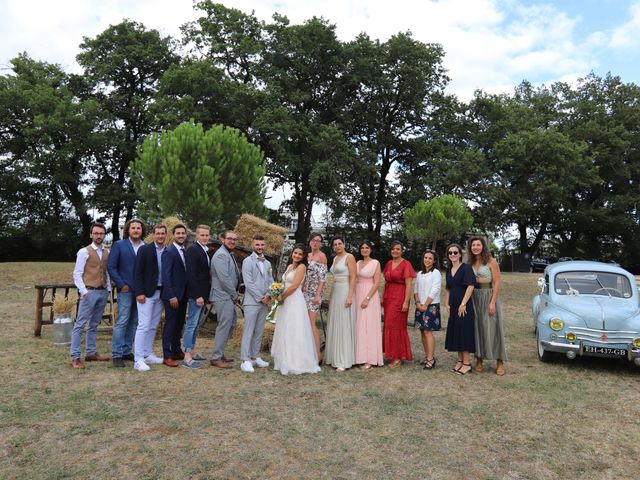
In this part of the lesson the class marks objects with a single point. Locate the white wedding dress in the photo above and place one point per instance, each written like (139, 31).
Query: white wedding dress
(293, 348)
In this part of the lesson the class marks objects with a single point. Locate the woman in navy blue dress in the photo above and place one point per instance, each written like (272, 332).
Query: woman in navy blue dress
(460, 328)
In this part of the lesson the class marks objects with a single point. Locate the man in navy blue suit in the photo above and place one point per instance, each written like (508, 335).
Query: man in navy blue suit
(198, 286)
(147, 286)
(122, 261)
(174, 296)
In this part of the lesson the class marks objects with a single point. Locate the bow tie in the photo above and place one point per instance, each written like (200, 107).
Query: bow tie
(260, 257)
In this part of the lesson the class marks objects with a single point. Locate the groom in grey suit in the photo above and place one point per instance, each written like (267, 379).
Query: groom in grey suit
(257, 276)
(225, 280)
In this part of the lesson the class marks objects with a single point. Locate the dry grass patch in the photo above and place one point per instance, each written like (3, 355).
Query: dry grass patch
(539, 421)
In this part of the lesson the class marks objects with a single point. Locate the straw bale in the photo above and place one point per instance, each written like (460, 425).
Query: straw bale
(236, 338)
(248, 225)
(170, 222)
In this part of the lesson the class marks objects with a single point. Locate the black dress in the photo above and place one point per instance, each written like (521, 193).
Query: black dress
(460, 330)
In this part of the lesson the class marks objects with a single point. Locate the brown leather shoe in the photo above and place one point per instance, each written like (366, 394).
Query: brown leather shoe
(220, 363)
(228, 360)
(479, 365)
(179, 356)
(76, 363)
(170, 362)
(96, 358)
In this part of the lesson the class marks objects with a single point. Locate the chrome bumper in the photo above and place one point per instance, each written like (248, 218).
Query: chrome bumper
(578, 348)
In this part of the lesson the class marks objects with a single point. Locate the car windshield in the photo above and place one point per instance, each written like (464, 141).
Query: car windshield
(593, 283)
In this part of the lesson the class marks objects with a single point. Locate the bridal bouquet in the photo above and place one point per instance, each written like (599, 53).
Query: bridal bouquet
(274, 292)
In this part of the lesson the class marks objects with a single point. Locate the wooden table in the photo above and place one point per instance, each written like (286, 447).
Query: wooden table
(45, 294)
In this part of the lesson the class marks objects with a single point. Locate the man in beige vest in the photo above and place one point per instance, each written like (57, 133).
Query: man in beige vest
(92, 279)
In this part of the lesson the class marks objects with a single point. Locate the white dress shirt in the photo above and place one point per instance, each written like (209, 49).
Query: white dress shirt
(81, 262)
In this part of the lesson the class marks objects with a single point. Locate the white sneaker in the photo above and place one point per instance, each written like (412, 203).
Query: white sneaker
(141, 366)
(260, 363)
(247, 367)
(153, 359)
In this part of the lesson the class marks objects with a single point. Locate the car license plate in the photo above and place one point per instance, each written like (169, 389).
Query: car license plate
(613, 352)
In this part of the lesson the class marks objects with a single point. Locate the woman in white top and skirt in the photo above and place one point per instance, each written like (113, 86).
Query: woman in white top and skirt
(426, 294)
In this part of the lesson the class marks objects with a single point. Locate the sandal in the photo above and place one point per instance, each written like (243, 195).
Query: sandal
(500, 370)
(460, 372)
(457, 366)
(395, 363)
(429, 364)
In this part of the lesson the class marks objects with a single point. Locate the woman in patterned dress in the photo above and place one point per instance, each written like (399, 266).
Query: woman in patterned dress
(314, 285)
(427, 297)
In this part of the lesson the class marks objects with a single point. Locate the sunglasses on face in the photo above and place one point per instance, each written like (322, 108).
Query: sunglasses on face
(453, 253)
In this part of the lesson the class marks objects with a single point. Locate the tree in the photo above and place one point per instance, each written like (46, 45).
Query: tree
(288, 77)
(202, 177)
(390, 89)
(122, 67)
(437, 219)
(603, 219)
(531, 171)
(48, 145)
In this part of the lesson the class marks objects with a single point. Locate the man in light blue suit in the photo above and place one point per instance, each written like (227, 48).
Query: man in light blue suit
(121, 267)
(225, 281)
(257, 276)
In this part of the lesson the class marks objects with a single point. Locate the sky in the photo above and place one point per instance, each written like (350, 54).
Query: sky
(490, 45)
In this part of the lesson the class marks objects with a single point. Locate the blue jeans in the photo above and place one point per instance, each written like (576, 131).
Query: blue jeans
(124, 330)
(191, 328)
(90, 311)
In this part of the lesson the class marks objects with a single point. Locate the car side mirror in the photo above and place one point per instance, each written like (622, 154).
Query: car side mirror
(542, 284)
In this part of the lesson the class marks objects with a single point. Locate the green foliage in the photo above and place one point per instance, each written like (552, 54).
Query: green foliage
(122, 67)
(48, 145)
(437, 219)
(389, 90)
(202, 177)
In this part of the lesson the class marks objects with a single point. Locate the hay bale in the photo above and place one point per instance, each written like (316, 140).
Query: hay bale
(236, 338)
(170, 222)
(248, 225)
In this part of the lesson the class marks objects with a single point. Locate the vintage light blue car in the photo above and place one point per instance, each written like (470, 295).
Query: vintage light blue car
(587, 309)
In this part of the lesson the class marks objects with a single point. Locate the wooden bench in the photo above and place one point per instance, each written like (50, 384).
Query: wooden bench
(44, 299)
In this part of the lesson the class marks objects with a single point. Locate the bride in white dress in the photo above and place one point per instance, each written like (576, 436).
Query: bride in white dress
(293, 348)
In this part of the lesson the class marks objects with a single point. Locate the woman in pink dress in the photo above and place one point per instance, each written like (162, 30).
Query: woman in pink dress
(368, 329)
(398, 278)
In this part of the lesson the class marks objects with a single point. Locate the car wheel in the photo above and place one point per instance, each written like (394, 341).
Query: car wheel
(544, 355)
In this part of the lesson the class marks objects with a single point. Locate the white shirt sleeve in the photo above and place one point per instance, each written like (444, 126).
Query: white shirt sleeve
(436, 286)
(81, 261)
(416, 285)
(108, 278)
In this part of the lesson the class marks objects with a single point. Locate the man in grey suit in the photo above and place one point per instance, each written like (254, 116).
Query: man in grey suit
(225, 280)
(258, 277)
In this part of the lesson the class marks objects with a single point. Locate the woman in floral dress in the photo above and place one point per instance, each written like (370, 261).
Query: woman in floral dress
(314, 285)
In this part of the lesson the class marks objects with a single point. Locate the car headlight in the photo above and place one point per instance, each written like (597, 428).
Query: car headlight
(556, 324)
(636, 342)
(570, 336)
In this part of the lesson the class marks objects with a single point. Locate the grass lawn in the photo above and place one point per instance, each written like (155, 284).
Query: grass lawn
(543, 421)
